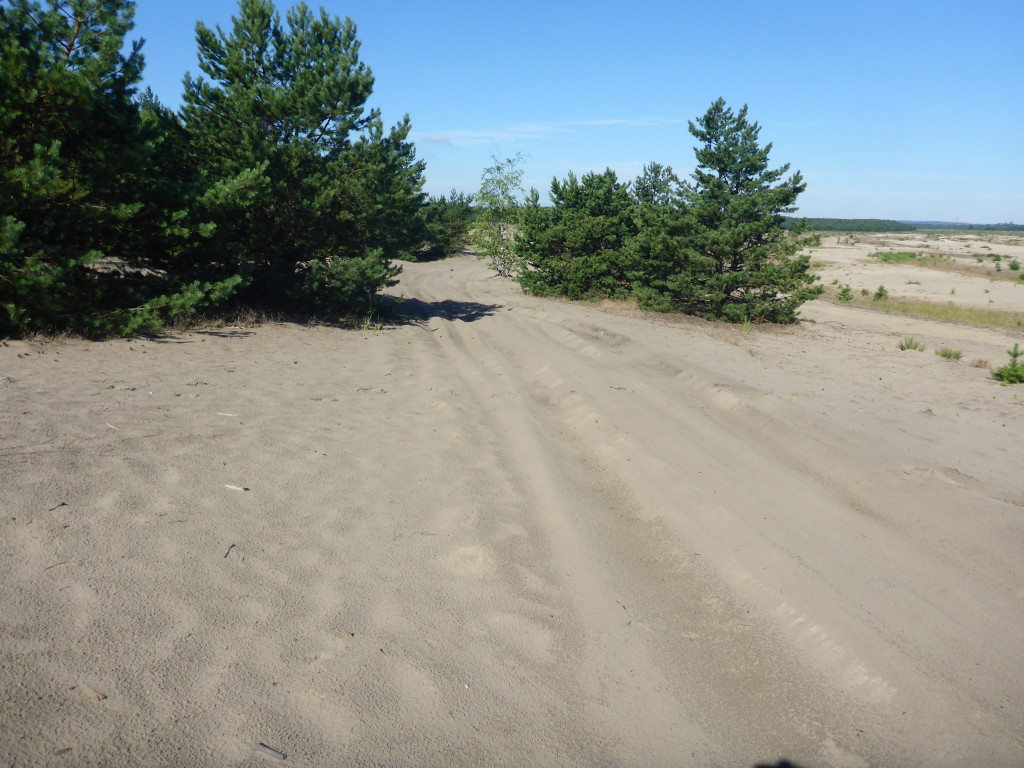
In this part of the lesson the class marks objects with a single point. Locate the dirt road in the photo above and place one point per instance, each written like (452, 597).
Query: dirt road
(513, 531)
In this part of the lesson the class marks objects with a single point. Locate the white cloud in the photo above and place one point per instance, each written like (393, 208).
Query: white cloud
(519, 132)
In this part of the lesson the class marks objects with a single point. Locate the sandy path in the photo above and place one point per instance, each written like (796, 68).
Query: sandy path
(512, 531)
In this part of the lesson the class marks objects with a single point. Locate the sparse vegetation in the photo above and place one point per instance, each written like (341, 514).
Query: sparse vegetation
(909, 342)
(845, 293)
(880, 294)
(949, 353)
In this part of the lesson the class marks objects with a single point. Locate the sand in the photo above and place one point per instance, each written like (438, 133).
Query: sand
(513, 531)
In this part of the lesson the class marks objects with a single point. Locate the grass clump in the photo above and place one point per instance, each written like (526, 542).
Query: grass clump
(894, 257)
(949, 353)
(1012, 372)
(909, 342)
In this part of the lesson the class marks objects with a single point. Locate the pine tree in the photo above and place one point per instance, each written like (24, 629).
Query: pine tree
(656, 185)
(578, 248)
(724, 253)
(68, 158)
(91, 215)
(311, 197)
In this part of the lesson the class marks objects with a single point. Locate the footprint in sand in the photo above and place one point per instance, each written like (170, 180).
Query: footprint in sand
(470, 561)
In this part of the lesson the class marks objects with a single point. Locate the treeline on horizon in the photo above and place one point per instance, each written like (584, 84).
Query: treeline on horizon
(888, 225)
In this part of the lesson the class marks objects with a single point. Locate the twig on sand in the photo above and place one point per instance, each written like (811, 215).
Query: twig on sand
(270, 751)
(95, 694)
(229, 551)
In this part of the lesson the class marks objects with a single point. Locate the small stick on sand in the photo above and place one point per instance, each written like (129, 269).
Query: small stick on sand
(261, 747)
(95, 694)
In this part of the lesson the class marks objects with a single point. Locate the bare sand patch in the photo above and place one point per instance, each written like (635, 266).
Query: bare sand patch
(514, 531)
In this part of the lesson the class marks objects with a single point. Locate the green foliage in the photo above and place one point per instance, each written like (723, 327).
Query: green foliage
(657, 185)
(714, 246)
(309, 196)
(909, 342)
(494, 235)
(577, 248)
(120, 216)
(1012, 372)
(447, 221)
(880, 294)
(724, 254)
(1014, 265)
(845, 293)
(73, 154)
(949, 353)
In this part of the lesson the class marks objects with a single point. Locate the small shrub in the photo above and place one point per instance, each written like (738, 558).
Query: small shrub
(1014, 265)
(909, 342)
(881, 293)
(845, 293)
(864, 292)
(1012, 372)
(980, 362)
(949, 353)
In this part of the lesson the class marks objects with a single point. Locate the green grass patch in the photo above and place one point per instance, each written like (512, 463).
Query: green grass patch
(897, 257)
(949, 312)
(949, 353)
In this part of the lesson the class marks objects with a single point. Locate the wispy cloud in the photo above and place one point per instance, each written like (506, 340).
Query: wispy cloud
(520, 132)
(637, 122)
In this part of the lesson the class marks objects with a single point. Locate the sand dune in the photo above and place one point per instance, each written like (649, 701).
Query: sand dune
(513, 531)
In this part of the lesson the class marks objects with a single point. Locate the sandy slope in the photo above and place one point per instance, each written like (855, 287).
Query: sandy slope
(512, 531)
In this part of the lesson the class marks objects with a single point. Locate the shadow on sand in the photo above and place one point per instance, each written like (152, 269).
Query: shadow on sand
(418, 312)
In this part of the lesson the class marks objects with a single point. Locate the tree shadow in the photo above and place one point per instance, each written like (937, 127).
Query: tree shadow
(418, 312)
(178, 337)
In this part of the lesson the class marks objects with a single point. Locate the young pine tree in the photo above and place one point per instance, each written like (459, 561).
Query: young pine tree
(311, 197)
(723, 253)
(578, 248)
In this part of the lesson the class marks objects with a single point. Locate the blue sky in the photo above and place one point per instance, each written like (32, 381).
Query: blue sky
(897, 110)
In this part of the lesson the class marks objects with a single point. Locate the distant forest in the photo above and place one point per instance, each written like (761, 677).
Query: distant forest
(887, 225)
